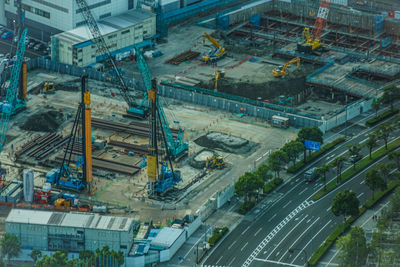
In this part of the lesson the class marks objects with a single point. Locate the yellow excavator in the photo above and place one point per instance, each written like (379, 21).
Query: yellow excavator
(48, 88)
(308, 45)
(215, 162)
(214, 54)
(279, 72)
(219, 74)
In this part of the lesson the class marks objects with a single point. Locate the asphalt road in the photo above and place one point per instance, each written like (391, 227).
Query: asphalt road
(8, 46)
(264, 237)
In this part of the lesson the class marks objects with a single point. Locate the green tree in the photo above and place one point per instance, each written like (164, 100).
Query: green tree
(384, 170)
(353, 250)
(390, 94)
(293, 149)
(371, 143)
(374, 181)
(310, 133)
(58, 259)
(10, 246)
(322, 171)
(384, 131)
(35, 255)
(338, 163)
(263, 173)
(395, 156)
(354, 151)
(276, 160)
(247, 185)
(345, 203)
(376, 105)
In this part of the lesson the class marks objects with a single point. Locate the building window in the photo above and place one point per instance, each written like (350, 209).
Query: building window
(105, 15)
(112, 36)
(7, 2)
(122, 247)
(42, 13)
(144, 32)
(125, 32)
(131, 4)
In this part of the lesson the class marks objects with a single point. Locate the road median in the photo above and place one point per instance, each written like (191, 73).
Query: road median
(362, 164)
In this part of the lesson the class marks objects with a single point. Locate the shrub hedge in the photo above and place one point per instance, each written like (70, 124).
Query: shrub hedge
(218, 234)
(245, 207)
(272, 185)
(314, 155)
(381, 117)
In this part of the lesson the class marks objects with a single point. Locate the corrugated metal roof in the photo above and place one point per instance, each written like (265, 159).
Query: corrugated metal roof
(29, 216)
(166, 237)
(73, 219)
(106, 26)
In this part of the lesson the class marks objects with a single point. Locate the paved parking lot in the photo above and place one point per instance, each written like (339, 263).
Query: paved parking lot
(8, 46)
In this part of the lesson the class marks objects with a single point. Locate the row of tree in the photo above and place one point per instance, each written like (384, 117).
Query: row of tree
(384, 248)
(250, 183)
(383, 133)
(11, 247)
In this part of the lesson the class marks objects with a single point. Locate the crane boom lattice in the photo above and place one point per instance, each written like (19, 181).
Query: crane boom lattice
(103, 49)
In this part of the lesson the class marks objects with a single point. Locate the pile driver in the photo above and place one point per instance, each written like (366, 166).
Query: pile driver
(159, 181)
(63, 176)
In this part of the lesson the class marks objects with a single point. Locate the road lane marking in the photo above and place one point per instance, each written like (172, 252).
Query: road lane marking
(362, 182)
(219, 260)
(329, 209)
(243, 246)
(248, 227)
(312, 240)
(300, 236)
(287, 204)
(230, 263)
(305, 204)
(270, 219)
(364, 140)
(360, 195)
(305, 189)
(278, 263)
(259, 230)
(286, 236)
(232, 244)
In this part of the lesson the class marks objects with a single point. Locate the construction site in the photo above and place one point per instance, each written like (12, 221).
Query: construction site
(164, 131)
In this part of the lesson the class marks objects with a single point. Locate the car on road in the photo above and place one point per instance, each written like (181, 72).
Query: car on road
(311, 175)
(7, 35)
(354, 158)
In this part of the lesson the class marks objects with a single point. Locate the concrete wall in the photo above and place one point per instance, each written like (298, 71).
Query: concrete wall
(225, 195)
(193, 226)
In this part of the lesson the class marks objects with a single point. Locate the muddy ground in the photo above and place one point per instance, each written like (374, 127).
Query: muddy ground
(47, 121)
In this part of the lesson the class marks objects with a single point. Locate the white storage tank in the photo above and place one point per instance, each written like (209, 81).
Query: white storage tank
(28, 185)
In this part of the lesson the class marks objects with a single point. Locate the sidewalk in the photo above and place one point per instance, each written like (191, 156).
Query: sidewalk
(365, 221)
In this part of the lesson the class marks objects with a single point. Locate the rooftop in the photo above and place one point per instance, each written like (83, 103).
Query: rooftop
(106, 26)
(73, 219)
(166, 237)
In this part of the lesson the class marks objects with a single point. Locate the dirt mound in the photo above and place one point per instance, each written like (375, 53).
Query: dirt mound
(48, 121)
(226, 143)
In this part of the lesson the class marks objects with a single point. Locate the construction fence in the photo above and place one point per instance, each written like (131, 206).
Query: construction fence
(208, 98)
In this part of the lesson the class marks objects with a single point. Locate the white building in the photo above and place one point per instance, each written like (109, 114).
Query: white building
(44, 18)
(74, 231)
(121, 33)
